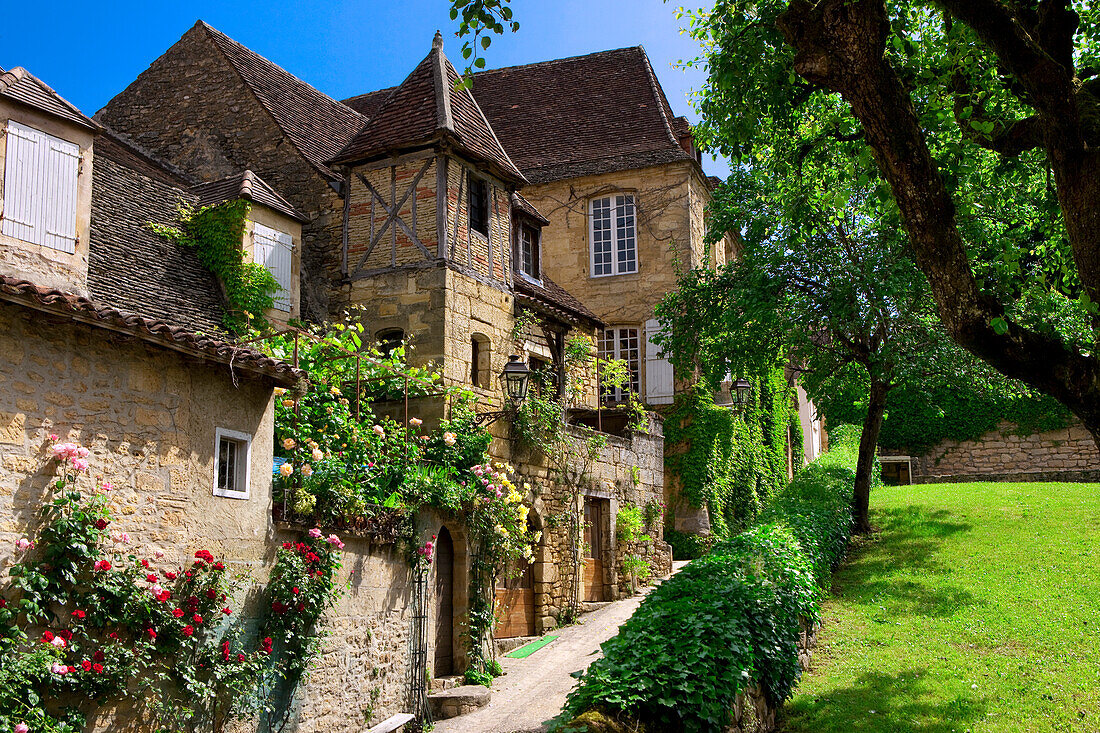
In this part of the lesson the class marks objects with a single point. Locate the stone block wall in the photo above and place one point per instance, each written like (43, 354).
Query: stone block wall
(1065, 454)
(611, 479)
(148, 416)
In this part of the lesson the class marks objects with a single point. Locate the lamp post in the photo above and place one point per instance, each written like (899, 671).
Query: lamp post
(514, 383)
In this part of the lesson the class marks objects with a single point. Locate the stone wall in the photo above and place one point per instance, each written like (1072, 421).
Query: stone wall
(1057, 455)
(752, 713)
(148, 416)
(611, 479)
(191, 109)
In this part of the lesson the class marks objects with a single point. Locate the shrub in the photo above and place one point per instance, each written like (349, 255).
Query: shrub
(732, 617)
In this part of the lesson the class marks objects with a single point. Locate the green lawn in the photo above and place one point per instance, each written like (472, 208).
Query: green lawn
(975, 609)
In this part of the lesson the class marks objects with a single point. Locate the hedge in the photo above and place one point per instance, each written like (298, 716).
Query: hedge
(727, 620)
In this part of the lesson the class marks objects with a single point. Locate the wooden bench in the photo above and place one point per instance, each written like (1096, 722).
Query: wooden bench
(907, 461)
(393, 723)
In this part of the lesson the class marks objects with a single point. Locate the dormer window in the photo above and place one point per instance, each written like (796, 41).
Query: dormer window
(274, 250)
(527, 251)
(479, 205)
(40, 191)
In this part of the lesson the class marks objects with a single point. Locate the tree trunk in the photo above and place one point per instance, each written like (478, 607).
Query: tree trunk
(865, 466)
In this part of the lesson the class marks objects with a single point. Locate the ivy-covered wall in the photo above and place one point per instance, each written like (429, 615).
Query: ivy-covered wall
(728, 461)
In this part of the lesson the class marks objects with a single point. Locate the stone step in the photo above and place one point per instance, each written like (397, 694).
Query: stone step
(439, 684)
(590, 606)
(458, 701)
(506, 645)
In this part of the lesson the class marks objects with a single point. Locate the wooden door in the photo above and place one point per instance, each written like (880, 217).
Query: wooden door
(515, 597)
(444, 568)
(594, 534)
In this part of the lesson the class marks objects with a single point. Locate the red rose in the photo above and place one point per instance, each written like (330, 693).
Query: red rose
(65, 634)
(219, 566)
(97, 667)
(98, 656)
(227, 610)
(152, 634)
(288, 546)
(151, 578)
(188, 630)
(295, 590)
(79, 614)
(101, 524)
(240, 657)
(197, 619)
(112, 635)
(145, 564)
(86, 665)
(211, 593)
(170, 575)
(301, 606)
(164, 596)
(204, 555)
(3, 603)
(178, 613)
(47, 636)
(187, 573)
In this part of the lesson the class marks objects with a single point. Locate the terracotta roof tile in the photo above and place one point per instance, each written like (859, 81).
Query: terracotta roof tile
(521, 204)
(425, 108)
(560, 300)
(248, 186)
(153, 331)
(23, 86)
(316, 124)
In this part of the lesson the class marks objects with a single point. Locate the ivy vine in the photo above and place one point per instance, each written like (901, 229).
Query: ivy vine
(217, 234)
(730, 461)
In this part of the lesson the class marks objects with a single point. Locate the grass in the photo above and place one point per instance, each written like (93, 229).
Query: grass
(974, 609)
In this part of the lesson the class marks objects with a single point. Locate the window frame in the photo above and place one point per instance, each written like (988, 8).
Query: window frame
(52, 174)
(243, 468)
(617, 394)
(284, 299)
(483, 185)
(616, 240)
(536, 255)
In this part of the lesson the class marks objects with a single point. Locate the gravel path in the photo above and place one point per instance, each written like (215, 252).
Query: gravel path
(533, 689)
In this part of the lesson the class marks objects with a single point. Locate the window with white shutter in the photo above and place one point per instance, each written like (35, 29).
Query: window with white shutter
(658, 369)
(40, 175)
(274, 249)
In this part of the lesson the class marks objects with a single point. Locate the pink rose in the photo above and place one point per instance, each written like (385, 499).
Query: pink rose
(54, 437)
(21, 728)
(80, 464)
(58, 642)
(315, 533)
(23, 544)
(59, 668)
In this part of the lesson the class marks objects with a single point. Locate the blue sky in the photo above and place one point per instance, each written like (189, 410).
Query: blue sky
(341, 48)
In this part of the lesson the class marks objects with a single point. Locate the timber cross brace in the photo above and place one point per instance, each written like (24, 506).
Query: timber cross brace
(392, 209)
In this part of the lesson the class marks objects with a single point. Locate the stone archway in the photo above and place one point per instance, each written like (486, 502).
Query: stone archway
(443, 577)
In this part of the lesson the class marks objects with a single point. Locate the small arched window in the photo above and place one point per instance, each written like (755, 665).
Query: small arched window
(480, 360)
(389, 339)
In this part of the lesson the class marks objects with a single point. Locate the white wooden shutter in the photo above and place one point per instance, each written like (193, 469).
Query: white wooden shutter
(40, 176)
(658, 370)
(274, 250)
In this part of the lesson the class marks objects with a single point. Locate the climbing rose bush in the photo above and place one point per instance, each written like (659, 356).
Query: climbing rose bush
(86, 618)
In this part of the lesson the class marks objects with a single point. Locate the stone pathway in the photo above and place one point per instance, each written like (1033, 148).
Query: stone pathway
(533, 689)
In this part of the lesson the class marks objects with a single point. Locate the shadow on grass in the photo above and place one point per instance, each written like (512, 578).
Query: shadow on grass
(901, 703)
(907, 542)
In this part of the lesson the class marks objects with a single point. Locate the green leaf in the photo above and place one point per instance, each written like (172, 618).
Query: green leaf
(1000, 326)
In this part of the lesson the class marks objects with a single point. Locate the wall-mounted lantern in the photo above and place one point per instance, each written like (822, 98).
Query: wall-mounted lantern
(514, 383)
(740, 390)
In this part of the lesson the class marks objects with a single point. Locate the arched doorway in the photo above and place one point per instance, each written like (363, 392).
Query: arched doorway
(443, 586)
(515, 596)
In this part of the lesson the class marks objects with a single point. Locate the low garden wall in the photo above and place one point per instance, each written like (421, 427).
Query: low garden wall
(722, 644)
(1066, 454)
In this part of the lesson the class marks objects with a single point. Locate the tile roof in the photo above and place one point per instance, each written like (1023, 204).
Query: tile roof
(368, 104)
(129, 266)
(583, 115)
(521, 204)
(248, 186)
(209, 349)
(426, 108)
(23, 86)
(549, 295)
(316, 124)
